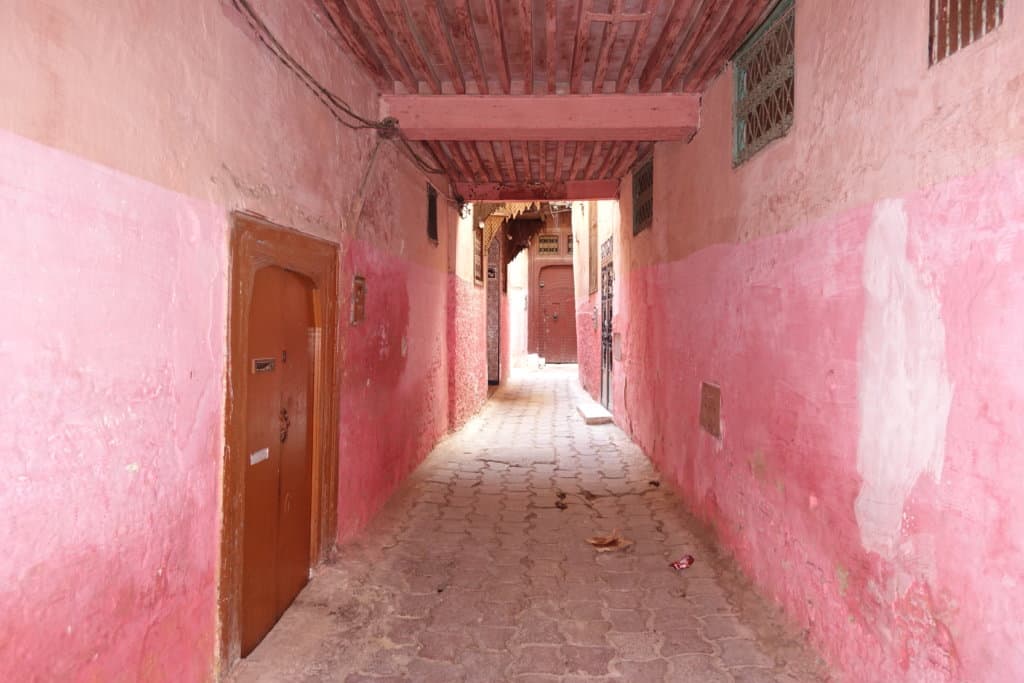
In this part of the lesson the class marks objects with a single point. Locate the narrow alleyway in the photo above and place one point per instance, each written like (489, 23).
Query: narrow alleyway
(478, 570)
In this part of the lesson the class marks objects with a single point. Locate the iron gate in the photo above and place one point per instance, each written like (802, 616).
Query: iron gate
(607, 288)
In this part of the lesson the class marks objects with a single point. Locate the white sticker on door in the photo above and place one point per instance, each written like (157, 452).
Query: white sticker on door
(259, 456)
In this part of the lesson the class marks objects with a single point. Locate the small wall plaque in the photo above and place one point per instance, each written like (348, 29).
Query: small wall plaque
(358, 299)
(260, 365)
(711, 409)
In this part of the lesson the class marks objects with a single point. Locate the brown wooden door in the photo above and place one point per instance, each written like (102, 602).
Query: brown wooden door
(278, 479)
(557, 342)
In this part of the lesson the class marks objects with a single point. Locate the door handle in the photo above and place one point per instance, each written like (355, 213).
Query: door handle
(554, 316)
(286, 424)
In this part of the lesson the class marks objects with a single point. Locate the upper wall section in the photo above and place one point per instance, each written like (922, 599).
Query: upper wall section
(872, 120)
(185, 96)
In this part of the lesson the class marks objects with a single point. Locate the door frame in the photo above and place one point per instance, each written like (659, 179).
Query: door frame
(255, 244)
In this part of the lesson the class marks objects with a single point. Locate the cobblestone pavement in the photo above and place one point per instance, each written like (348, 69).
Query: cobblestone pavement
(475, 572)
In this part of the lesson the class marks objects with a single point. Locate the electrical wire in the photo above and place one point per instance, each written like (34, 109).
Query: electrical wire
(386, 128)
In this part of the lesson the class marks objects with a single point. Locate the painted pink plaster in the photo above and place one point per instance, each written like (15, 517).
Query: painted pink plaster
(855, 290)
(113, 346)
(588, 344)
(394, 380)
(467, 349)
(113, 353)
(777, 323)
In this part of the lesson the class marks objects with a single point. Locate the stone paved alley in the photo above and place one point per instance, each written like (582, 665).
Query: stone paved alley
(474, 572)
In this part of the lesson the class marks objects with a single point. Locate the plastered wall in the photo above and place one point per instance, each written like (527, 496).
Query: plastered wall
(855, 290)
(128, 133)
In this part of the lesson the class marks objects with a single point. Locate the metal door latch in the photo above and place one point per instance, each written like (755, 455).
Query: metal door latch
(286, 424)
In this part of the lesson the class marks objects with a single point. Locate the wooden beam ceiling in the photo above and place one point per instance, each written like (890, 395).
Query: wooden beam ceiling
(545, 117)
(539, 62)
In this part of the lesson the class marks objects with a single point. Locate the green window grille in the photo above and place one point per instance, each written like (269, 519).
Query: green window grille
(764, 73)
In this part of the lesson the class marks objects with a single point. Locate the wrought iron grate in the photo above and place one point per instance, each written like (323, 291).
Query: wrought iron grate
(958, 23)
(643, 196)
(764, 71)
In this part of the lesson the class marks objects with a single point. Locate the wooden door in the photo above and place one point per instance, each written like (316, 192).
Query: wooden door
(557, 343)
(278, 478)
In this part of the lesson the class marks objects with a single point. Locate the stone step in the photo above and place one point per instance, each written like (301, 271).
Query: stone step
(594, 413)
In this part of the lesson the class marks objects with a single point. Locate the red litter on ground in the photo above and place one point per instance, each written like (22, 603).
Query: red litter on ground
(682, 563)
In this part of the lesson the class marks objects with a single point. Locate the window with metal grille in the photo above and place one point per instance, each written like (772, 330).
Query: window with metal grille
(431, 213)
(958, 23)
(643, 196)
(764, 72)
(547, 244)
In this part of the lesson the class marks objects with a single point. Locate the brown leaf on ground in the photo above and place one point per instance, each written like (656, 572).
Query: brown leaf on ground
(606, 544)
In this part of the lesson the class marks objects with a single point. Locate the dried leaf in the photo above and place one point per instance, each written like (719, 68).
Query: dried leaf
(606, 544)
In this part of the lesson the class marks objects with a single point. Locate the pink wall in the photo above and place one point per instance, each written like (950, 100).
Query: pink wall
(137, 128)
(467, 349)
(588, 344)
(856, 291)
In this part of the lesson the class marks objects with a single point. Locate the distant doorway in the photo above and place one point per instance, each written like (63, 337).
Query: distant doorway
(281, 458)
(557, 342)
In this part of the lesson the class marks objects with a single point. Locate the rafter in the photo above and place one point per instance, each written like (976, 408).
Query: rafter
(678, 18)
(608, 36)
(640, 35)
(341, 19)
(494, 20)
(697, 40)
(396, 14)
(697, 79)
(525, 8)
(507, 147)
(368, 12)
(551, 44)
(579, 50)
(559, 156)
(443, 41)
(464, 35)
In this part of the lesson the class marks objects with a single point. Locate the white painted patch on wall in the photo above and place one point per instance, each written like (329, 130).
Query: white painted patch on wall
(903, 391)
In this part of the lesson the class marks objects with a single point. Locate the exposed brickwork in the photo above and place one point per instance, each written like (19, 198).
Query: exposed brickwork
(473, 573)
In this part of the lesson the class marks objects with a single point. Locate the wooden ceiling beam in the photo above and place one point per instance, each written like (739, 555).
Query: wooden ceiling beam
(639, 41)
(678, 18)
(526, 30)
(492, 157)
(348, 28)
(443, 40)
(442, 158)
(507, 147)
(464, 35)
(625, 161)
(580, 44)
(546, 117)
(494, 20)
(697, 80)
(608, 37)
(559, 157)
(382, 38)
(396, 15)
(698, 39)
(582, 190)
(615, 152)
(551, 44)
